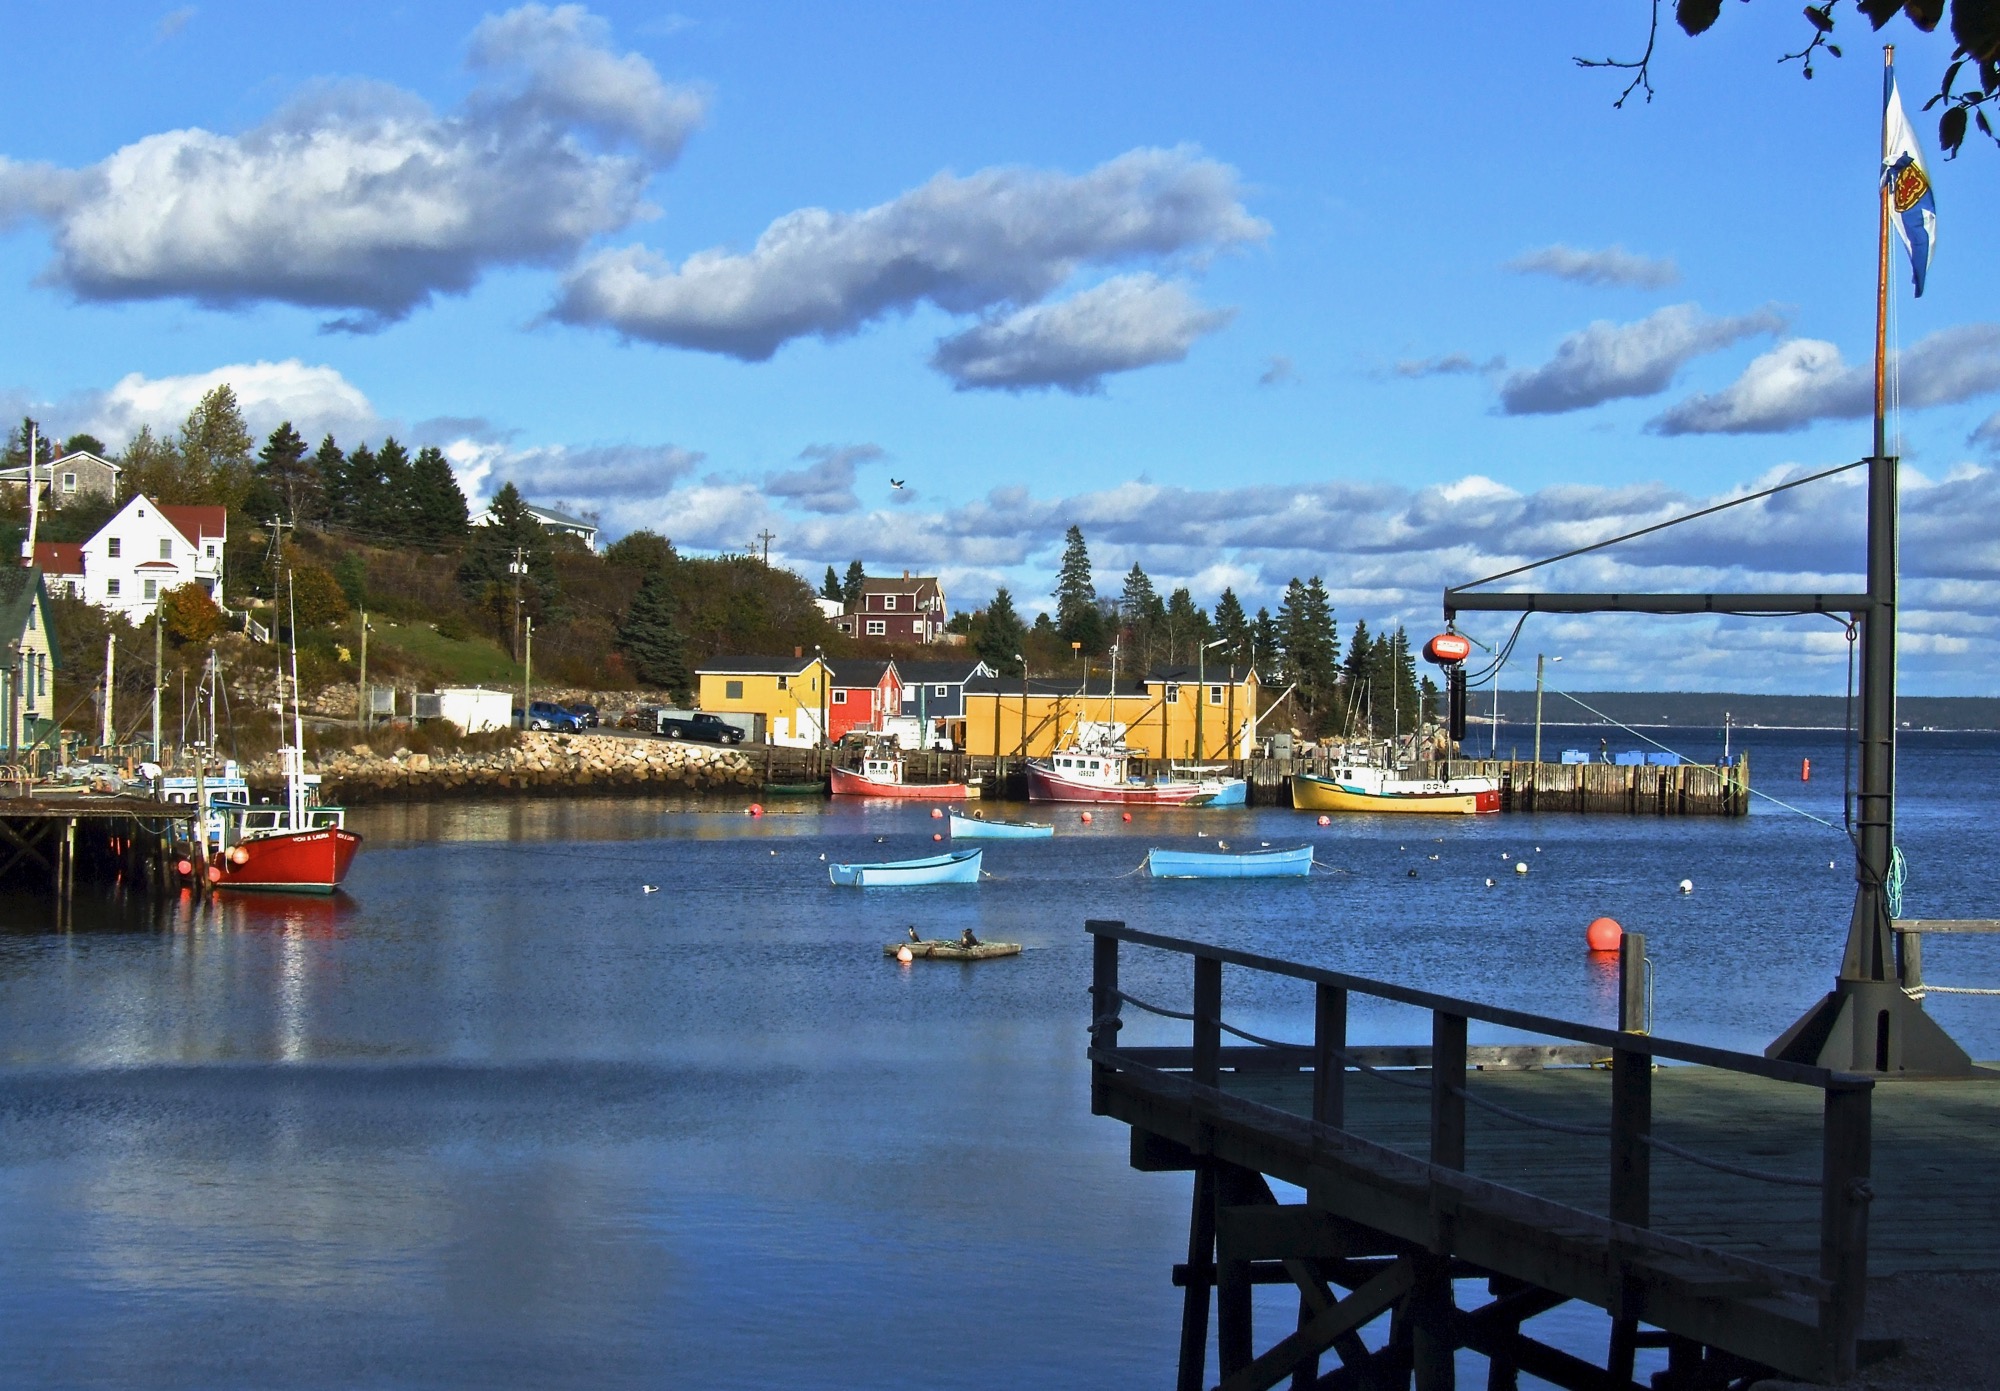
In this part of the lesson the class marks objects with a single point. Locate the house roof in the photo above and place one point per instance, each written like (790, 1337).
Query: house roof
(19, 472)
(197, 523)
(1216, 674)
(763, 665)
(1042, 686)
(59, 557)
(946, 672)
(546, 515)
(19, 587)
(906, 585)
(852, 674)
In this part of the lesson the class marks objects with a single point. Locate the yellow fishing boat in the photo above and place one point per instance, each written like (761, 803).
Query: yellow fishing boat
(1374, 790)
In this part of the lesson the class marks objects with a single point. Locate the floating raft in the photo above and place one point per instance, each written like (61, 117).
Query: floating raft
(952, 951)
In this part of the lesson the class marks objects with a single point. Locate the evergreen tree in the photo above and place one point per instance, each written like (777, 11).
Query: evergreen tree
(17, 445)
(850, 588)
(86, 444)
(1186, 628)
(1232, 626)
(1312, 649)
(1077, 617)
(831, 590)
(393, 519)
(284, 478)
(491, 549)
(329, 466)
(651, 638)
(1360, 671)
(1267, 645)
(1144, 619)
(438, 510)
(1005, 636)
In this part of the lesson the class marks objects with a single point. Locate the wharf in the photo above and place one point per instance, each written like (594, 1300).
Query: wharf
(1728, 1208)
(51, 837)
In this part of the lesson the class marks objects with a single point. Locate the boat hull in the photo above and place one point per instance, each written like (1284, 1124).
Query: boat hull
(1436, 799)
(1256, 864)
(976, 828)
(958, 867)
(848, 783)
(300, 862)
(1047, 785)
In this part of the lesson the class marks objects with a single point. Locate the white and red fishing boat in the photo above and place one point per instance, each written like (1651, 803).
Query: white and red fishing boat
(296, 846)
(881, 775)
(1103, 774)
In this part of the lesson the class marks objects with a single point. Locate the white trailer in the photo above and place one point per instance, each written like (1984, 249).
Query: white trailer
(475, 709)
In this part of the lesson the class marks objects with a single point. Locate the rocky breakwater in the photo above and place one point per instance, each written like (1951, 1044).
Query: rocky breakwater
(538, 765)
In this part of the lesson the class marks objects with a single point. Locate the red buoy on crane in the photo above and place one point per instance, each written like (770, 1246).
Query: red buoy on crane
(1447, 648)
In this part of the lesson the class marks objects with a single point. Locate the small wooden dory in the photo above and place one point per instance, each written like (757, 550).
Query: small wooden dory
(952, 951)
(957, 867)
(979, 828)
(1252, 864)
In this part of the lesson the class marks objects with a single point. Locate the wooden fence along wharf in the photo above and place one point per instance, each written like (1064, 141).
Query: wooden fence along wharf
(1716, 1204)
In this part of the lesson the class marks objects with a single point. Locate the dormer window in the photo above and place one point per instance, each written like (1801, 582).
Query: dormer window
(888, 601)
(114, 547)
(166, 549)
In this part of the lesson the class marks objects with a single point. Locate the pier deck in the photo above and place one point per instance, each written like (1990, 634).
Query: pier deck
(1724, 1206)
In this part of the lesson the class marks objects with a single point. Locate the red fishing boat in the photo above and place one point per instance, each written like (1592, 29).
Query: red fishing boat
(881, 775)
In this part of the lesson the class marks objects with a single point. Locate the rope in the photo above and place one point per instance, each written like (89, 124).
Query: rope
(1593, 1132)
(1920, 991)
(1139, 868)
(1892, 890)
(1229, 1028)
(1134, 1000)
(1640, 734)
(1761, 1175)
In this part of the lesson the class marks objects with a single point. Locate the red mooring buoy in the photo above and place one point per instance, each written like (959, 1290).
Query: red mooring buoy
(1603, 934)
(1805, 770)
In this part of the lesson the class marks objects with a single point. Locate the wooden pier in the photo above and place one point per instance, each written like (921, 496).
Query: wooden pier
(1726, 1207)
(51, 839)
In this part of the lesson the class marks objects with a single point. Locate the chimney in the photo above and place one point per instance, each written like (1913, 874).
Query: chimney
(906, 574)
(798, 652)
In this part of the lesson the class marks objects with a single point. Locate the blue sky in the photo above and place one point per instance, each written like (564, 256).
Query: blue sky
(1389, 294)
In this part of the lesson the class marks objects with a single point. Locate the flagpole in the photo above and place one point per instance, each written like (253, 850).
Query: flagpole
(1882, 285)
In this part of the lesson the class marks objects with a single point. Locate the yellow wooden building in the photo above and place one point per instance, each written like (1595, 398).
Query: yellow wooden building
(790, 693)
(1157, 717)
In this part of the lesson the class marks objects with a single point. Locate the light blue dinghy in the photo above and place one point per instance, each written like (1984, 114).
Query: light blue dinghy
(958, 867)
(979, 828)
(1253, 864)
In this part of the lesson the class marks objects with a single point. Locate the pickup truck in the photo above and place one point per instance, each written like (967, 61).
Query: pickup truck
(701, 725)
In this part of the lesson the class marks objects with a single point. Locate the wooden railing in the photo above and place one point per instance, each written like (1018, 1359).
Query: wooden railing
(1838, 1287)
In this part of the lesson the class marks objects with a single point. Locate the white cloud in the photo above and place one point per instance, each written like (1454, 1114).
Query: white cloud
(1613, 265)
(172, 23)
(1279, 370)
(1806, 379)
(1448, 365)
(316, 400)
(358, 197)
(997, 238)
(1607, 361)
(826, 483)
(1129, 321)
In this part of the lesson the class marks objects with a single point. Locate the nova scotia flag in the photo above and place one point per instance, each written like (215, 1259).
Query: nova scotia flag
(1910, 203)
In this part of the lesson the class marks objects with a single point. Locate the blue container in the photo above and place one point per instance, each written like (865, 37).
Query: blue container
(1575, 756)
(1664, 760)
(1632, 758)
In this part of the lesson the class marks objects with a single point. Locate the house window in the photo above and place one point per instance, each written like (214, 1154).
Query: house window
(211, 550)
(840, 697)
(877, 627)
(1215, 695)
(784, 683)
(69, 482)
(732, 690)
(111, 589)
(166, 548)
(940, 691)
(152, 589)
(1173, 695)
(114, 548)
(888, 601)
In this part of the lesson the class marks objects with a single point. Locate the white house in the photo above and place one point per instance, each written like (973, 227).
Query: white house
(148, 549)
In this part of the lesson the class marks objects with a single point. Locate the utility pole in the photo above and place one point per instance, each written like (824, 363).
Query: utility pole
(767, 538)
(159, 668)
(527, 673)
(110, 671)
(34, 498)
(517, 567)
(366, 707)
(1538, 703)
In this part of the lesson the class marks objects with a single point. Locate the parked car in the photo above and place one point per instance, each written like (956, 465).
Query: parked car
(546, 714)
(586, 712)
(701, 725)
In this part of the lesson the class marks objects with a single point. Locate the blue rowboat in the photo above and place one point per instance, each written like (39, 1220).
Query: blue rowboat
(978, 828)
(958, 867)
(1253, 864)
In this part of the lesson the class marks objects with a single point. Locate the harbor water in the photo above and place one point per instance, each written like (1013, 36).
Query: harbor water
(497, 1116)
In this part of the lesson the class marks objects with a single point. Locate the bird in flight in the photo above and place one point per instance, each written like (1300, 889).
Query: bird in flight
(895, 482)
